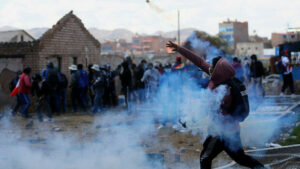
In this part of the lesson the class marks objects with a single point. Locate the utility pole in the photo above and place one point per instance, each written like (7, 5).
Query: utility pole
(178, 28)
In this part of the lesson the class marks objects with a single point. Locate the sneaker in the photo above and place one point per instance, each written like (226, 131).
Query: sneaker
(281, 94)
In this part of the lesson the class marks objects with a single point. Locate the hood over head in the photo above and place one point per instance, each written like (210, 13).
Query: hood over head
(222, 72)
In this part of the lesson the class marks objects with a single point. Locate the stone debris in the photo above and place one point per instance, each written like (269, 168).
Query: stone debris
(29, 125)
(273, 145)
(57, 129)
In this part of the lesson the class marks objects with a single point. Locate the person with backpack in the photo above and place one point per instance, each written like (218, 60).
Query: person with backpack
(24, 91)
(83, 83)
(45, 71)
(257, 72)
(52, 79)
(286, 71)
(62, 92)
(12, 86)
(233, 110)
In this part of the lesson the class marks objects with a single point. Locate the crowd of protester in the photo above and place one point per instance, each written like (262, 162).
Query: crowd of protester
(92, 90)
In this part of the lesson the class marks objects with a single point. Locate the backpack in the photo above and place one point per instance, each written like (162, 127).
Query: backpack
(83, 80)
(239, 108)
(52, 79)
(279, 67)
(13, 83)
(63, 81)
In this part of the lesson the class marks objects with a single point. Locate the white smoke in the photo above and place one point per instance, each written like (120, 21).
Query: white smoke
(120, 139)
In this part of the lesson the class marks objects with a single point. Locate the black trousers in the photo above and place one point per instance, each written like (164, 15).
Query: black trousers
(215, 145)
(288, 82)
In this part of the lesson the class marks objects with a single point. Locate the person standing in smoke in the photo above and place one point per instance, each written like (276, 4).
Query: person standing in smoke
(24, 91)
(138, 84)
(238, 69)
(246, 67)
(74, 87)
(287, 75)
(126, 79)
(82, 86)
(227, 137)
(257, 72)
(151, 79)
(98, 84)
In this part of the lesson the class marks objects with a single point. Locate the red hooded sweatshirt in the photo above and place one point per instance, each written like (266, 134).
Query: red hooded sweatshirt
(25, 84)
(222, 72)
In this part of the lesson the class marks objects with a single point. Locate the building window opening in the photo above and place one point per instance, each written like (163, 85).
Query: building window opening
(74, 60)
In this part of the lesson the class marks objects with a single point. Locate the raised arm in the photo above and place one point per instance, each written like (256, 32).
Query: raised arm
(197, 60)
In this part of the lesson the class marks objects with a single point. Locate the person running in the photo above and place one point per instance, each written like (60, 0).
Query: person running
(12, 86)
(228, 136)
(24, 91)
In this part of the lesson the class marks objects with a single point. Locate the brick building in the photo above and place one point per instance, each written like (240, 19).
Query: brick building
(67, 42)
(280, 38)
(234, 32)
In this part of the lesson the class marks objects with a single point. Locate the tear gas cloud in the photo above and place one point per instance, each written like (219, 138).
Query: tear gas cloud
(203, 47)
(120, 145)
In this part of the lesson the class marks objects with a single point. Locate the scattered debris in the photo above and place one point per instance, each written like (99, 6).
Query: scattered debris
(29, 125)
(273, 145)
(57, 129)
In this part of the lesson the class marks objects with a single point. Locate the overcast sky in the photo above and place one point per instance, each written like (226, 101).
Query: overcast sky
(264, 16)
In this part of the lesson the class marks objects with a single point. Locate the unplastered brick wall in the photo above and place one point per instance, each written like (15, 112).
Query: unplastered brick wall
(68, 45)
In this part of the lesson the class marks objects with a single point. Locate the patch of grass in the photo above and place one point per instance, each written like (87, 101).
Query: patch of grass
(290, 140)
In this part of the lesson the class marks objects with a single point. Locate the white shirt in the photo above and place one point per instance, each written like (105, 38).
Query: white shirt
(287, 68)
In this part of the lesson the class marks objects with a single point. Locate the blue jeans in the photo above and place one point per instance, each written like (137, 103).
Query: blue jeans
(62, 99)
(83, 99)
(98, 104)
(74, 98)
(19, 103)
(25, 101)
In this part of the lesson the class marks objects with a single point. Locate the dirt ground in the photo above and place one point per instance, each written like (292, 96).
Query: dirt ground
(185, 149)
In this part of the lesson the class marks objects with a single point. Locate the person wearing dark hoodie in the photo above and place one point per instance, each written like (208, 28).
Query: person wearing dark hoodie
(228, 136)
(257, 72)
(238, 69)
(24, 91)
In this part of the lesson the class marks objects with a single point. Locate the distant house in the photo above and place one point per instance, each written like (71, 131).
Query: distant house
(67, 42)
(15, 36)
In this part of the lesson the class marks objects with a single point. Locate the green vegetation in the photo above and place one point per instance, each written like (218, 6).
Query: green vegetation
(294, 138)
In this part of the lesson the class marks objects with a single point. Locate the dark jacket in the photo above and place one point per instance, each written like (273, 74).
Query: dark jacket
(256, 69)
(126, 76)
(223, 71)
(138, 84)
